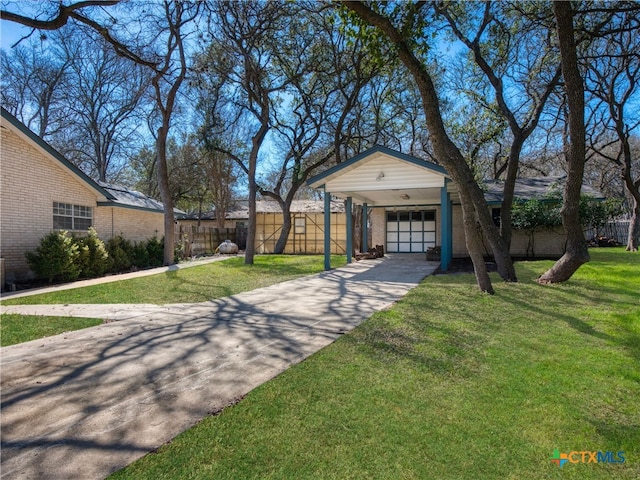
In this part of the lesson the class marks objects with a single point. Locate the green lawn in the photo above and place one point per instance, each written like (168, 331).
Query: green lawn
(22, 328)
(447, 384)
(194, 284)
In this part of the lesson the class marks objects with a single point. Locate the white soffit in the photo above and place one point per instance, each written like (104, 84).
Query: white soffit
(384, 172)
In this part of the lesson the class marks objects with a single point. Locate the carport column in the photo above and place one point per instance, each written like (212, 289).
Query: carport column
(365, 231)
(327, 229)
(446, 227)
(349, 209)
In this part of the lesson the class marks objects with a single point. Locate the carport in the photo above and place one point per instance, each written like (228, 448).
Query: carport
(381, 177)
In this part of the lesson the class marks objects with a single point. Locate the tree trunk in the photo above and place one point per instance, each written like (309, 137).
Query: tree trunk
(250, 250)
(634, 227)
(165, 196)
(473, 242)
(576, 252)
(509, 187)
(286, 229)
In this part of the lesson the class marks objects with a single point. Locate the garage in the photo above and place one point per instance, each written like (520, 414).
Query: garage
(411, 231)
(409, 194)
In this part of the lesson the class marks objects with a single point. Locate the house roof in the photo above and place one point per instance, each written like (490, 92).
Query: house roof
(124, 197)
(384, 177)
(532, 188)
(241, 210)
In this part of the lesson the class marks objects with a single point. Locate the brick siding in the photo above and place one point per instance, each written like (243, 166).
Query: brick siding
(30, 182)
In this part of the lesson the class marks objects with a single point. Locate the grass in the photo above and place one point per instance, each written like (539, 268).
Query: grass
(194, 284)
(447, 384)
(190, 285)
(23, 328)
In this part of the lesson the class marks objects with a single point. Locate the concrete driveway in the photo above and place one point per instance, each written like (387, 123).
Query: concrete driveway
(84, 404)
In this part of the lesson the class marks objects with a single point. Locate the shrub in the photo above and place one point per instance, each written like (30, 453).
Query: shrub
(140, 255)
(120, 254)
(155, 251)
(93, 257)
(56, 258)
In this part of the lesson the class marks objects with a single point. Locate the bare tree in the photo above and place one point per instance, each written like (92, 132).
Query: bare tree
(613, 74)
(168, 77)
(33, 88)
(102, 93)
(238, 73)
(510, 57)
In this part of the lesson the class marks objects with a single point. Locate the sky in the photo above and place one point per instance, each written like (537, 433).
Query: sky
(11, 32)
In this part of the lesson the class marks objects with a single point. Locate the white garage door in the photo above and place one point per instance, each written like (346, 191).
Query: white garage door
(411, 232)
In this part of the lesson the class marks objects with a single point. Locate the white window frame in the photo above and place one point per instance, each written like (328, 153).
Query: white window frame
(67, 216)
(299, 225)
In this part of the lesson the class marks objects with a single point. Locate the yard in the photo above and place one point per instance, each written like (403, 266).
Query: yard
(447, 384)
(195, 284)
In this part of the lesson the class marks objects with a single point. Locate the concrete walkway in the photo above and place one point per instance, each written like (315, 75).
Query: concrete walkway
(84, 404)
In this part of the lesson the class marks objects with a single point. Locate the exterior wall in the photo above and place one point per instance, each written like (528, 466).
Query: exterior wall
(378, 219)
(30, 183)
(133, 224)
(269, 225)
(545, 243)
(459, 247)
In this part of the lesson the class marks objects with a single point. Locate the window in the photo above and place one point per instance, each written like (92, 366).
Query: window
(299, 225)
(71, 217)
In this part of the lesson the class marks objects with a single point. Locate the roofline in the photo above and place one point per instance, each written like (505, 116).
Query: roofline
(49, 150)
(132, 207)
(376, 149)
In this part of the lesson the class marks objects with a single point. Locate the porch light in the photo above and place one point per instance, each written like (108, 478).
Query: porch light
(404, 196)
(380, 176)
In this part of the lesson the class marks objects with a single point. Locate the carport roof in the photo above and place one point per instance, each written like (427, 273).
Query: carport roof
(384, 177)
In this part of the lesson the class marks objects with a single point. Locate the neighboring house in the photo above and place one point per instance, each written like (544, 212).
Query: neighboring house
(307, 225)
(41, 191)
(412, 204)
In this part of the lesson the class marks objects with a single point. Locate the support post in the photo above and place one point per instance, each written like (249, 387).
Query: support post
(327, 229)
(365, 231)
(349, 210)
(446, 228)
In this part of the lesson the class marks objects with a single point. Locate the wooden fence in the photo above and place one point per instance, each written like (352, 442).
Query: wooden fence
(617, 229)
(204, 240)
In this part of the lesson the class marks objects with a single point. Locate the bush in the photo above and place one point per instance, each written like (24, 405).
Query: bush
(120, 254)
(56, 258)
(155, 250)
(93, 257)
(63, 257)
(140, 255)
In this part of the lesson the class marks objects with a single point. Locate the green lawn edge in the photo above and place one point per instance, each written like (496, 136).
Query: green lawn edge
(16, 329)
(189, 285)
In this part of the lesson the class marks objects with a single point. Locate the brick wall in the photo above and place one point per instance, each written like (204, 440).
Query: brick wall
(30, 182)
(133, 224)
